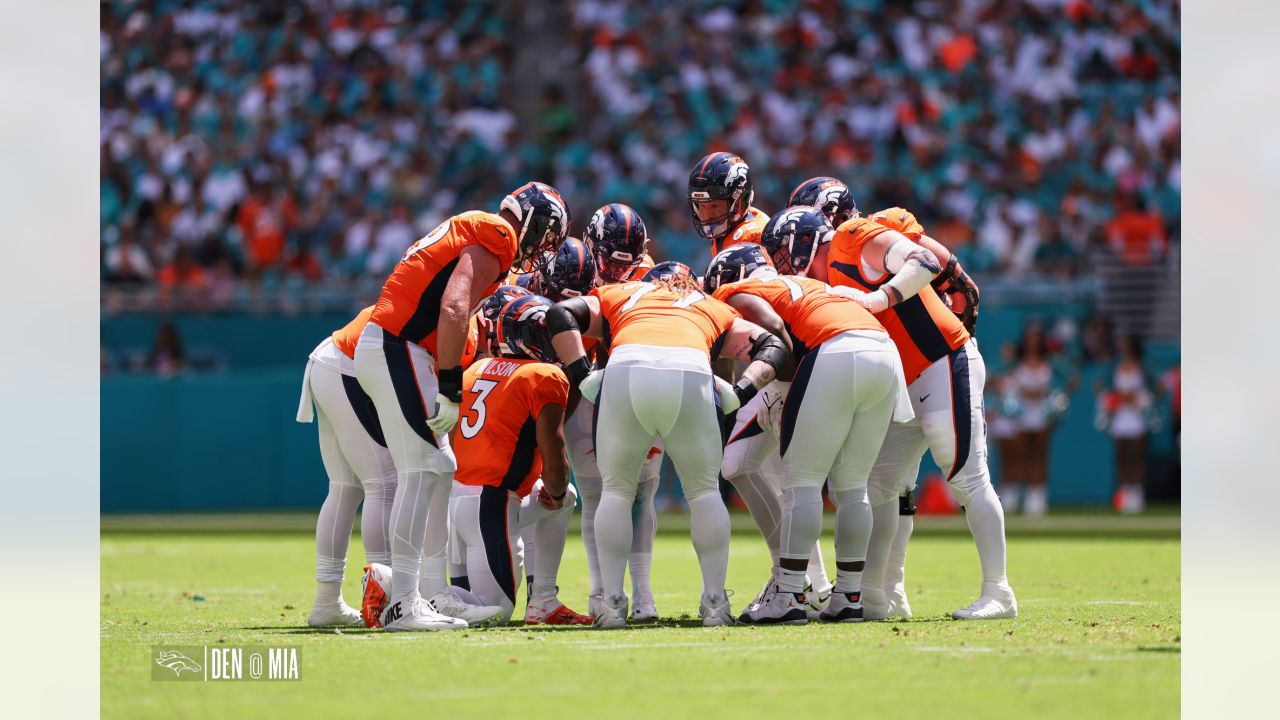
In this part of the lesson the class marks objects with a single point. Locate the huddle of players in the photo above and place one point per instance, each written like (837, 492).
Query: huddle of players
(850, 336)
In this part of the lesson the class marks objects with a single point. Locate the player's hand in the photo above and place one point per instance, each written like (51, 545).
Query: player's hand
(546, 500)
(728, 396)
(873, 303)
(773, 397)
(590, 385)
(446, 416)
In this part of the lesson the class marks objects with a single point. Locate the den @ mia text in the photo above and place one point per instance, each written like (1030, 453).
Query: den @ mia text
(215, 663)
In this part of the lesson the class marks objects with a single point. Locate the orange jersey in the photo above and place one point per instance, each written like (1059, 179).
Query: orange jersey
(922, 327)
(496, 439)
(896, 218)
(747, 231)
(409, 306)
(347, 336)
(812, 314)
(646, 314)
(642, 269)
(472, 345)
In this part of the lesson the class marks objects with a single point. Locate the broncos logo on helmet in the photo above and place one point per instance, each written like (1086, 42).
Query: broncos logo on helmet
(829, 195)
(792, 238)
(720, 194)
(522, 330)
(543, 219)
(618, 239)
(668, 270)
(735, 263)
(568, 272)
(490, 311)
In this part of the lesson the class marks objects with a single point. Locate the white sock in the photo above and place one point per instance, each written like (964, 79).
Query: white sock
(639, 564)
(709, 526)
(375, 520)
(613, 539)
(986, 522)
(884, 527)
(801, 525)
(408, 529)
(853, 532)
(642, 538)
(764, 505)
(529, 540)
(333, 530)
(791, 581)
(818, 569)
(549, 536)
(328, 592)
(432, 576)
(329, 572)
(896, 571)
(589, 489)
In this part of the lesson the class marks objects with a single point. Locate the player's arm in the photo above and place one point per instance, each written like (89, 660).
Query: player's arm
(549, 425)
(466, 286)
(748, 342)
(762, 313)
(954, 281)
(567, 321)
(913, 267)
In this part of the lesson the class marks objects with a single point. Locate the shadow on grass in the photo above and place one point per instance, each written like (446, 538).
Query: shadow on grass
(1160, 649)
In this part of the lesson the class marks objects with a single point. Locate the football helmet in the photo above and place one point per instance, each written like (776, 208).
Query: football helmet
(491, 311)
(733, 264)
(792, 237)
(720, 194)
(667, 270)
(522, 330)
(618, 239)
(568, 272)
(829, 195)
(543, 218)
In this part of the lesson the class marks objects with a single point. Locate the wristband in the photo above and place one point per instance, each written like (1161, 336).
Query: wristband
(560, 497)
(744, 390)
(449, 383)
(577, 371)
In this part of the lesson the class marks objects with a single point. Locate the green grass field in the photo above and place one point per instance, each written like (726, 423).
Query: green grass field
(1099, 636)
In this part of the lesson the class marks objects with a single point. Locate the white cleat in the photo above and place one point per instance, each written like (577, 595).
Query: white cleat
(715, 611)
(875, 605)
(844, 608)
(898, 605)
(778, 607)
(448, 604)
(996, 603)
(341, 614)
(413, 613)
(770, 587)
(816, 600)
(595, 601)
(613, 612)
(643, 609)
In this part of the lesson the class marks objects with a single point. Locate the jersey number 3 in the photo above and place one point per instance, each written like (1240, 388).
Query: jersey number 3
(481, 388)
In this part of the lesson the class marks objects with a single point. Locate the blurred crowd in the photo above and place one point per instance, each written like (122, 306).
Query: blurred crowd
(312, 142)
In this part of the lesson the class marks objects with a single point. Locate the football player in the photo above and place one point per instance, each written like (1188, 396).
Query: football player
(409, 361)
(569, 271)
(887, 269)
(511, 468)
(845, 390)
(659, 384)
(619, 241)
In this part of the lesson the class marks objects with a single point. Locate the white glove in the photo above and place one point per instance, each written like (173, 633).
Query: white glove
(446, 416)
(590, 385)
(875, 302)
(728, 396)
(772, 396)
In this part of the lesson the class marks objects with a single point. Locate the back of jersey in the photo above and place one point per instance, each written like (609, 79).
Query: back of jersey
(921, 326)
(496, 440)
(811, 313)
(642, 313)
(409, 305)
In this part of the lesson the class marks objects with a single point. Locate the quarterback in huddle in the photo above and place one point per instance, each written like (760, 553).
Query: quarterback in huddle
(509, 373)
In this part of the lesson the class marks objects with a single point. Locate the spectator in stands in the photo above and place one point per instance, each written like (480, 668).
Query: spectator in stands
(166, 357)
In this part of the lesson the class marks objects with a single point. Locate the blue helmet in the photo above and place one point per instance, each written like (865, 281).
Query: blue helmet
(568, 272)
(720, 194)
(543, 218)
(491, 310)
(734, 263)
(522, 330)
(792, 237)
(618, 239)
(829, 195)
(668, 270)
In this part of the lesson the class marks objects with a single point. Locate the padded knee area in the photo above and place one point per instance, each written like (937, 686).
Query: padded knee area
(964, 488)
(849, 496)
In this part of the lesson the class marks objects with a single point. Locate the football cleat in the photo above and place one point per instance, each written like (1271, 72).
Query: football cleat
(450, 605)
(770, 587)
(613, 612)
(778, 608)
(844, 607)
(643, 609)
(376, 582)
(815, 601)
(553, 612)
(996, 603)
(594, 602)
(875, 606)
(340, 614)
(412, 613)
(715, 611)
